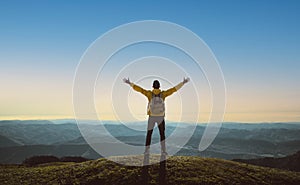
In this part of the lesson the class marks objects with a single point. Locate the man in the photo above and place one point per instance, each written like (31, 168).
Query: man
(156, 110)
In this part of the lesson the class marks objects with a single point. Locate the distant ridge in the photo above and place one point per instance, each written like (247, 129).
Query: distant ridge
(3, 122)
(6, 142)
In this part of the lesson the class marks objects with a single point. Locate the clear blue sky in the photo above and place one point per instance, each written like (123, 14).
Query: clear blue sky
(256, 43)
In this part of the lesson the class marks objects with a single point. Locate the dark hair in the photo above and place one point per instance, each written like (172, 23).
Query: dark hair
(156, 84)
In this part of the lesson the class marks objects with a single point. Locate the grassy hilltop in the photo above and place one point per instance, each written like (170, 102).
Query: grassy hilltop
(176, 170)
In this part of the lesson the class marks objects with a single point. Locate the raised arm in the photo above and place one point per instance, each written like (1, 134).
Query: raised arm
(176, 88)
(137, 88)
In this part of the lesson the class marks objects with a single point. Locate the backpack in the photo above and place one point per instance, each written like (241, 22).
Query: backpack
(156, 105)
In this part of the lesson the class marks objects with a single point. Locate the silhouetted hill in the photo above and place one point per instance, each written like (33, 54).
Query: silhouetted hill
(42, 159)
(291, 162)
(176, 170)
(15, 155)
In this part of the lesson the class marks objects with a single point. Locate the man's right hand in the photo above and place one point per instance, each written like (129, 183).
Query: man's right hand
(186, 80)
(127, 81)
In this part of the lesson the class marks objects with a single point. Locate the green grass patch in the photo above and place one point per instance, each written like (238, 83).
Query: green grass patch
(177, 170)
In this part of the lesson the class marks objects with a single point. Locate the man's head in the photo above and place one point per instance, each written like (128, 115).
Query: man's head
(156, 84)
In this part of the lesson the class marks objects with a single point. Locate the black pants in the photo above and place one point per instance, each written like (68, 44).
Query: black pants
(161, 127)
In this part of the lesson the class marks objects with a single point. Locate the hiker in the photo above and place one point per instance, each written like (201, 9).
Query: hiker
(156, 109)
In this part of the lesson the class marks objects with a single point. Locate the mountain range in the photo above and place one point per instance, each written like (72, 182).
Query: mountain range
(22, 139)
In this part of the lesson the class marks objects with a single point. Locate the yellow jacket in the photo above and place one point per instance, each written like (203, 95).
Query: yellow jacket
(148, 93)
